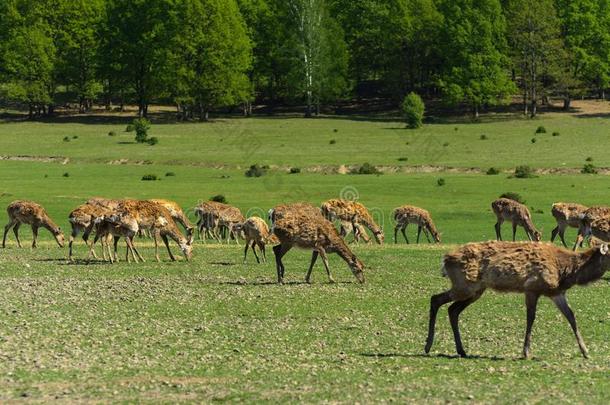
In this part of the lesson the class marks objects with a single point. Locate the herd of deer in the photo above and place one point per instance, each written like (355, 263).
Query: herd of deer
(535, 269)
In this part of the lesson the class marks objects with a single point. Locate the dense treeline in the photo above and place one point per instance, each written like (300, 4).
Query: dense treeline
(202, 55)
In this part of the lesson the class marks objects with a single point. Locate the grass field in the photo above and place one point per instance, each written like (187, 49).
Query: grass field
(216, 329)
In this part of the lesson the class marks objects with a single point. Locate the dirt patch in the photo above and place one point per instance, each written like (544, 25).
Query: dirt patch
(44, 159)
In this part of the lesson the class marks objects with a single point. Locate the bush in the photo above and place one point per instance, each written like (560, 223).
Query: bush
(589, 159)
(256, 171)
(332, 141)
(533, 140)
(366, 168)
(130, 128)
(492, 171)
(446, 144)
(150, 177)
(141, 126)
(74, 136)
(483, 137)
(295, 170)
(153, 140)
(588, 168)
(440, 182)
(524, 172)
(335, 130)
(170, 174)
(413, 109)
(219, 198)
(66, 139)
(403, 159)
(555, 133)
(541, 130)
(66, 174)
(111, 133)
(513, 196)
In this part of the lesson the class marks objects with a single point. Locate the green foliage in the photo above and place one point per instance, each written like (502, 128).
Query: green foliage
(66, 174)
(295, 170)
(413, 110)
(332, 141)
(492, 171)
(366, 168)
(111, 133)
(150, 177)
(589, 159)
(513, 196)
(589, 168)
(256, 171)
(66, 139)
(141, 127)
(556, 133)
(403, 159)
(219, 198)
(483, 137)
(153, 140)
(170, 174)
(524, 172)
(541, 130)
(440, 182)
(533, 140)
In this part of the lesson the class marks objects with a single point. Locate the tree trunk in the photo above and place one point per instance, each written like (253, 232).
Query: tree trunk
(476, 112)
(31, 112)
(566, 103)
(534, 108)
(525, 102)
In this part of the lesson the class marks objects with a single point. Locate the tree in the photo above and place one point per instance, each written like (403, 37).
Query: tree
(413, 109)
(474, 42)
(536, 47)
(213, 57)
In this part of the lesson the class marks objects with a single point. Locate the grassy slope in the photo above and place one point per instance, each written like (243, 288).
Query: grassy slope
(217, 329)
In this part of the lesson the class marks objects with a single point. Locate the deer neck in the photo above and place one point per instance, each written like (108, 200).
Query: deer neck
(586, 268)
(48, 224)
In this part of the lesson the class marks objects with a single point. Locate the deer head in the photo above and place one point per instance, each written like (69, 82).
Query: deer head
(59, 236)
(357, 268)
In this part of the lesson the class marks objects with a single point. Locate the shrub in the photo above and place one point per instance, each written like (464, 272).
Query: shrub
(588, 168)
(541, 130)
(403, 159)
(366, 168)
(66, 174)
(295, 170)
(413, 109)
(219, 198)
(555, 133)
(456, 129)
(111, 133)
(74, 136)
(335, 130)
(440, 182)
(332, 141)
(589, 159)
(256, 171)
(483, 137)
(130, 128)
(513, 196)
(141, 126)
(492, 171)
(150, 177)
(533, 140)
(524, 172)
(66, 139)
(153, 140)
(446, 144)
(170, 174)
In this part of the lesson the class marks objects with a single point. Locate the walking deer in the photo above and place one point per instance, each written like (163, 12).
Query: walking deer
(566, 215)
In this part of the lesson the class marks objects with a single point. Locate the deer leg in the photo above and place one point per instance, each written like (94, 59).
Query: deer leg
(531, 300)
(562, 232)
(246, 251)
(34, 235)
(280, 251)
(325, 261)
(436, 302)
(455, 310)
(156, 234)
(73, 235)
(261, 247)
(554, 233)
(396, 233)
(515, 231)
(16, 232)
(403, 230)
(418, 234)
(314, 257)
(115, 245)
(562, 304)
(130, 249)
(171, 256)
(427, 234)
(6, 229)
(254, 251)
(498, 229)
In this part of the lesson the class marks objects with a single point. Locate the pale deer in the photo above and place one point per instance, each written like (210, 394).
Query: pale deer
(566, 215)
(517, 214)
(111, 228)
(179, 216)
(408, 214)
(33, 214)
(82, 219)
(595, 221)
(350, 213)
(256, 233)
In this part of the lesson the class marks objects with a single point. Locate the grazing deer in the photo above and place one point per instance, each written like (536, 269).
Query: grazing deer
(256, 233)
(31, 213)
(214, 217)
(595, 221)
(178, 216)
(408, 214)
(158, 220)
(111, 228)
(517, 214)
(350, 213)
(231, 219)
(82, 219)
(534, 269)
(280, 211)
(306, 231)
(566, 215)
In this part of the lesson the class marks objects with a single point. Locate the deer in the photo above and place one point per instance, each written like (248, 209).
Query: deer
(595, 222)
(111, 228)
(518, 214)
(307, 231)
(534, 269)
(211, 213)
(178, 216)
(350, 213)
(82, 219)
(566, 215)
(158, 220)
(408, 214)
(231, 219)
(256, 233)
(33, 214)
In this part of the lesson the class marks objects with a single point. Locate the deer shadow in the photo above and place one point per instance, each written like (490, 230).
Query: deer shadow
(433, 356)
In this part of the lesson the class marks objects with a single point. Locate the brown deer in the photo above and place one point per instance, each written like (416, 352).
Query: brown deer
(158, 220)
(111, 228)
(534, 269)
(595, 221)
(350, 213)
(179, 216)
(307, 231)
(256, 233)
(408, 214)
(517, 214)
(280, 211)
(31, 213)
(82, 219)
(566, 215)
(215, 217)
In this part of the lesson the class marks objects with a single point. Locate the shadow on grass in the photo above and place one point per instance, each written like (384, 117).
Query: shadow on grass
(74, 262)
(433, 356)
(264, 283)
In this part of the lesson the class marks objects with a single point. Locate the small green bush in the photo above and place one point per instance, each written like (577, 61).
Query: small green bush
(589, 168)
(413, 109)
(533, 140)
(541, 130)
(335, 130)
(66, 139)
(130, 128)
(332, 141)
(403, 159)
(513, 196)
(492, 171)
(150, 177)
(153, 140)
(170, 174)
(483, 137)
(524, 172)
(66, 174)
(111, 133)
(256, 171)
(556, 133)
(446, 144)
(141, 126)
(295, 170)
(74, 136)
(366, 168)
(219, 198)
(441, 182)
(589, 159)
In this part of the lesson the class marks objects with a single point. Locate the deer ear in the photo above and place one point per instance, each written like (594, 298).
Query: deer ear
(604, 249)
